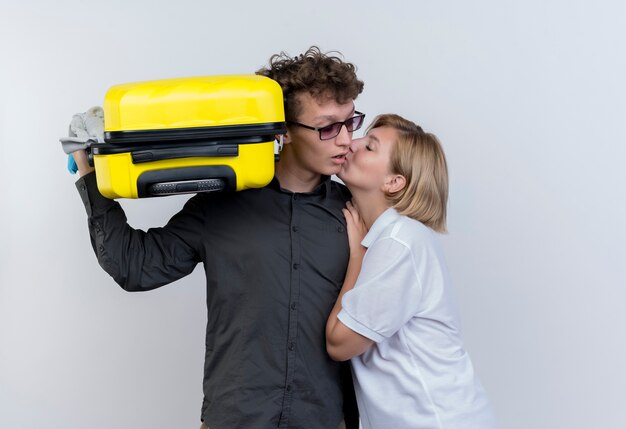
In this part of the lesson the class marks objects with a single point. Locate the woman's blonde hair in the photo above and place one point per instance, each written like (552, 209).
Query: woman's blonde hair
(419, 157)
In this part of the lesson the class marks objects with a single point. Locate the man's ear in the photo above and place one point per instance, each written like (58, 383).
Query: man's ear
(286, 138)
(394, 183)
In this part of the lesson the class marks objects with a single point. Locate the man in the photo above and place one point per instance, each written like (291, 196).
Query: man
(274, 258)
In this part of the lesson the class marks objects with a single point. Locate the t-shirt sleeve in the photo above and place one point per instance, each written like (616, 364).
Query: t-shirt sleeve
(387, 292)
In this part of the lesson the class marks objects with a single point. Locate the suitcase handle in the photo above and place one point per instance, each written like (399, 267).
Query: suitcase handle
(151, 155)
(169, 181)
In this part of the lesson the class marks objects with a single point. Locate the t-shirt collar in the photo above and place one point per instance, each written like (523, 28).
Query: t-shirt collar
(388, 217)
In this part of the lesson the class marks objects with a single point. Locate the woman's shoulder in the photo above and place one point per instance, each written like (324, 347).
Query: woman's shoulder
(416, 236)
(409, 228)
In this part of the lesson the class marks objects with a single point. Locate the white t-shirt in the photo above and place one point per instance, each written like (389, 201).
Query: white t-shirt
(416, 374)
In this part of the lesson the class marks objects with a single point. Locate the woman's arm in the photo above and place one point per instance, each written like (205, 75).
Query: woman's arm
(342, 343)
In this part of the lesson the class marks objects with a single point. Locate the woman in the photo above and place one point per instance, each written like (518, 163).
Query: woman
(395, 317)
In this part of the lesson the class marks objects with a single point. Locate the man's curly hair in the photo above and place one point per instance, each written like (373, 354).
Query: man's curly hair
(324, 76)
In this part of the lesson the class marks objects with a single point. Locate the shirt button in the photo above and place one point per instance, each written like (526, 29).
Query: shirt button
(83, 187)
(101, 248)
(296, 266)
(289, 388)
(293, 305)
(292, 346)
(341, 229)
(294, 228)
(295, 196)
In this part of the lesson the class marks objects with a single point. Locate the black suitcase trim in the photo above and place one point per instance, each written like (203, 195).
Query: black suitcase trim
(137, 136)
(185, 149)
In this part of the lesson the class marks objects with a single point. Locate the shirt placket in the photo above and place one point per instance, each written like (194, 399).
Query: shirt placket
(294, 293)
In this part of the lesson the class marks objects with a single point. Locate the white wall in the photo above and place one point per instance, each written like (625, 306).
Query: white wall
(528, 99)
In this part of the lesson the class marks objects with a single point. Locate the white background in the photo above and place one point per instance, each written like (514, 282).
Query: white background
(528, 98)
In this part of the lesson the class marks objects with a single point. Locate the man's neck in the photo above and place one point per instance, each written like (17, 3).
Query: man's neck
(296, 180)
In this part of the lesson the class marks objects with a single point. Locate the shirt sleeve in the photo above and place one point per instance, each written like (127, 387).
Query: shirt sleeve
(140, 260)
(387, 292)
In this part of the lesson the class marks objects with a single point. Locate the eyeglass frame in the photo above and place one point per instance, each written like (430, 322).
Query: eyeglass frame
(343, 123)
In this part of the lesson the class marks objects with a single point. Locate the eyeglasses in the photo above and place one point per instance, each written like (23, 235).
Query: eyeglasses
(331, 131)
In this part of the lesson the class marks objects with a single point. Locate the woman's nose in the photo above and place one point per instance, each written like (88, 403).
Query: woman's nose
(357, 144)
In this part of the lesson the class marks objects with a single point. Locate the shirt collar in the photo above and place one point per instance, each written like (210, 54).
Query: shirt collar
(322, 189)
(388, 217)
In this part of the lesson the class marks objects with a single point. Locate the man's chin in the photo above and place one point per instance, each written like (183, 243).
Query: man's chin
(332, 171)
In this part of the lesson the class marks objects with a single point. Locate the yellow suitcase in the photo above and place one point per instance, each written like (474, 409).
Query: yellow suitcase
(187, 135)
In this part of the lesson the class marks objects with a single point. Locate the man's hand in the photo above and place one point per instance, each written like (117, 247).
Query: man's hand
(85, 129)
(82, 162)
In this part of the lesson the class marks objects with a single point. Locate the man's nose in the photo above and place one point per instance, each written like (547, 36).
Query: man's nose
(344, 138)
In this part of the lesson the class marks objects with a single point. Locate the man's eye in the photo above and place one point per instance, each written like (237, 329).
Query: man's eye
(368, 147)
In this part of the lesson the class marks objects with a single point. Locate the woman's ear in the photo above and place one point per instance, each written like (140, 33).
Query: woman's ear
(394, 183)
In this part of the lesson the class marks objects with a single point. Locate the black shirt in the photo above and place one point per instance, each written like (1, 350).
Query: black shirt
(275, 262)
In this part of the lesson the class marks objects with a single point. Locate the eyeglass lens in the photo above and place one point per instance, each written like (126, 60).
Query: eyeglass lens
(333, 130)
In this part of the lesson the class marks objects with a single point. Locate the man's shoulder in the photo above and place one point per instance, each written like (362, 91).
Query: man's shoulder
(340, 190)
(216, 199)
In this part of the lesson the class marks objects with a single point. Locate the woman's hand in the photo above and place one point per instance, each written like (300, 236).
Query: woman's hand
(356, 229)
(341, 342)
